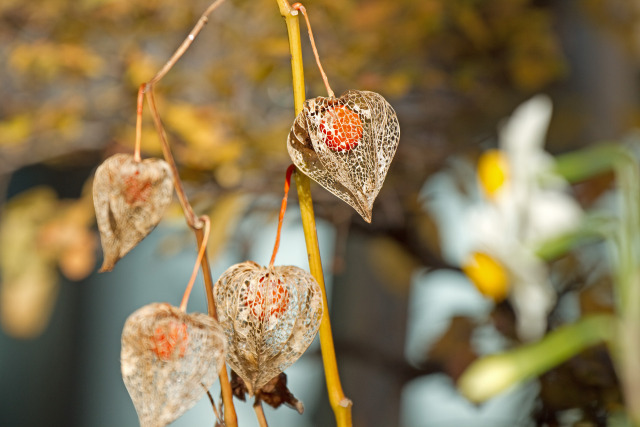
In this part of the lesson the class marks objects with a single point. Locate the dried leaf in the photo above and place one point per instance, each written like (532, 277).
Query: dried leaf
(269, 315)
(130, 198)
(346, 145)
(274, 393)
(167, 357)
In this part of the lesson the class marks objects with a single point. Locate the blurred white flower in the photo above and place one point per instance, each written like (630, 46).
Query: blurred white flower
(521, 204)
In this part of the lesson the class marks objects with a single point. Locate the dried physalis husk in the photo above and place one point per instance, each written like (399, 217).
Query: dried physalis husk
(269, 315)
(130, 198)
(346, 144)
(169, 359)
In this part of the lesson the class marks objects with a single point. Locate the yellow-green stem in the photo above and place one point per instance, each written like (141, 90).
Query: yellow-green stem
(340, 404)
(491, 375)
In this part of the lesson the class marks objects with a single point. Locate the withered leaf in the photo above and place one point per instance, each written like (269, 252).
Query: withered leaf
(169, 359)
(269, 315)
(130, 198)
(274, 393)
(346, 144)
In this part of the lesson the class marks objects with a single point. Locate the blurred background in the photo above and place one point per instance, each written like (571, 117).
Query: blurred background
(452, 69)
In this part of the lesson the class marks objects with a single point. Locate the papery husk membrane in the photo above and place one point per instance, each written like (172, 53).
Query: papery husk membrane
(164, 385)
(355, 175)
(129, 198)
(263, 342)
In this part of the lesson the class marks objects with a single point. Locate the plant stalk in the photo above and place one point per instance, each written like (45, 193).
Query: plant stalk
(340, 404)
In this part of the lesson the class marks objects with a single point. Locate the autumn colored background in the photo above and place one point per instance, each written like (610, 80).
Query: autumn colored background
(452, 69)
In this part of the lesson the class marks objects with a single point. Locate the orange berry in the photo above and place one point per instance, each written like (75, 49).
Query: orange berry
(270, 299)
(341, 128)
(136, 189)
(169, 337)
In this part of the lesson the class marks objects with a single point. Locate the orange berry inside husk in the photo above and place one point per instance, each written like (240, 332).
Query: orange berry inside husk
(341, 128)
(270, 299)
(137, 190)
(168, 338)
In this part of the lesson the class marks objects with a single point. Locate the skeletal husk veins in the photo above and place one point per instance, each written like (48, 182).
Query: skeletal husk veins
(168, 360)
(346, 144)
(269, 316)
(130, 198)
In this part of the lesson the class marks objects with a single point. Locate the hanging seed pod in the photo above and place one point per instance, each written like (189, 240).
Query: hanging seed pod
(130, 198)
(169, 358)
(346, 144)
(269, 315)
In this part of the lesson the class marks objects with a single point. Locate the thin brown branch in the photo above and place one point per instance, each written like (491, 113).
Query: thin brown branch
(190, 216)
(230, 417)
(204, 18)
(213, 404)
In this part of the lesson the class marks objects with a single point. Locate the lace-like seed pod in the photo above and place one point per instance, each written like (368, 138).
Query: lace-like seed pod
(346, 144)
(129, 198)
(167, 357)
(269, 315)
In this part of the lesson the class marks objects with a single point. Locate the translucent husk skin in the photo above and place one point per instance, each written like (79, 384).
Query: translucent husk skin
(130, 198)
(263, 342)
(164, 385)
(368, 128)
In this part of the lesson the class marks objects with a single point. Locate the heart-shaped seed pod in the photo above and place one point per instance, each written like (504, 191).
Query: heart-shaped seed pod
(346, 144)
(269, 315)
(169, 359)
(130, 198)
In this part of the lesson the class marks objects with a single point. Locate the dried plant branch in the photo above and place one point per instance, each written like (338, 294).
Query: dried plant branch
(190, 216)
(230, 417)
(213, 405)
(204, 18)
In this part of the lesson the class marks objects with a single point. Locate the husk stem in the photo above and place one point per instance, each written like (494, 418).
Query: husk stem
(340, 404)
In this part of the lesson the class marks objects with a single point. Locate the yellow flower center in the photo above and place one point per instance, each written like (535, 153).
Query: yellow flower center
(487, 275)
(492, 171)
